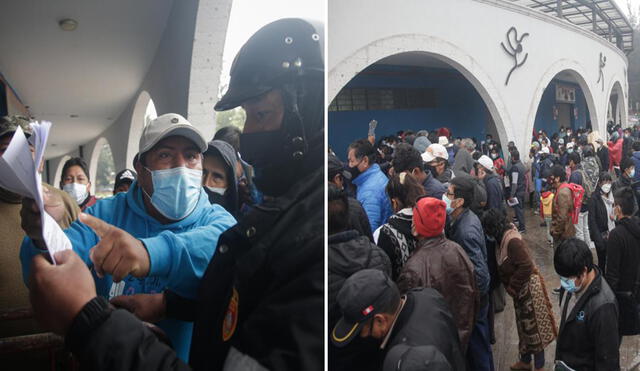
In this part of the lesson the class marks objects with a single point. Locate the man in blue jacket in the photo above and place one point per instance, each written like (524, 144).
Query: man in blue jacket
(159, 235)
(464, 228)
(371, 182)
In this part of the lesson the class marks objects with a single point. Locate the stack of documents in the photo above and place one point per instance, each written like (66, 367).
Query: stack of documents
(19, 168)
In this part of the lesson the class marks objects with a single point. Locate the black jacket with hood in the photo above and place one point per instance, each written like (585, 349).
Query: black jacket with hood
(228, 155)
(588, 337)
(426, 319)
(350, 252)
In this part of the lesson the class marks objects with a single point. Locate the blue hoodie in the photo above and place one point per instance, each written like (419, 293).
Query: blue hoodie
(179, 252)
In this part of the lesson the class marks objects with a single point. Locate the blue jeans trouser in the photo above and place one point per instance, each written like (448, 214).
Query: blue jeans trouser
(519, 212)
(479, 354)
(538, 359)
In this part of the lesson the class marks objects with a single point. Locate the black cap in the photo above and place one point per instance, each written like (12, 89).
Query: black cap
(336, 166)
(363, 295)
(126, 175)
(403, 357)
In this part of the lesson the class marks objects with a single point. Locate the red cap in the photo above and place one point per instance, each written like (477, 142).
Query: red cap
(443, 132)
(429, 216)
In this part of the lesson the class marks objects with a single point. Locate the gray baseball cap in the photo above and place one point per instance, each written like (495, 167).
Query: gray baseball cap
(167, 125)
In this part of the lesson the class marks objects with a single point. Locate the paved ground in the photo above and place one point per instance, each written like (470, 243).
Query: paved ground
(505, 351)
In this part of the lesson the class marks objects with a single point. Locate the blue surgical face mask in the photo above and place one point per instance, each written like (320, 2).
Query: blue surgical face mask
(569, 284)
(632, 173)
(570, 150)
(175, 191)
(446, 200)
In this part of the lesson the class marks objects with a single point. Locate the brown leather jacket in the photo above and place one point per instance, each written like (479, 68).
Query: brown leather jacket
(562, 226)
(442, 264)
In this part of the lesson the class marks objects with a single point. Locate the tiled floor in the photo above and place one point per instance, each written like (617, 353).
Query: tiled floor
(505, 351)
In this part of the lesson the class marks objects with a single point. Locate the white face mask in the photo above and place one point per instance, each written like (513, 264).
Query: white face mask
(606, 188)
(218, 190)
(77, 191)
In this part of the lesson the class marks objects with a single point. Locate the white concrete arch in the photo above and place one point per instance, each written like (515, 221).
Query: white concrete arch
(435, 47)
(58, 174)
(93, 161)
(143, 111)
(578, 73)
(615, 85)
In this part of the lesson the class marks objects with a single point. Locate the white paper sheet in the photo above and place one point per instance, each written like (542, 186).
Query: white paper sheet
(19, 169)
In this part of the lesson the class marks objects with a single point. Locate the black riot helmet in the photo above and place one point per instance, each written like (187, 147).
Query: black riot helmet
(285, 55)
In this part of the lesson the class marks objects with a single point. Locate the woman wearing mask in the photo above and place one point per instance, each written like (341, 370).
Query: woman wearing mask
(601, 216)
(75, 181)
(524, 283)
(395, 237)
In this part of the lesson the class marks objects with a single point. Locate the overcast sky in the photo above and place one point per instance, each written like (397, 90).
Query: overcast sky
(622, 4)
(247, 16)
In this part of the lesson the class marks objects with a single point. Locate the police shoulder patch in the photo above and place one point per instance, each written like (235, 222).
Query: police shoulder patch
(231, 317)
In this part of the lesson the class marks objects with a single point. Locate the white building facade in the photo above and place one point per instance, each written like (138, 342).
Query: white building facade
(484, 40)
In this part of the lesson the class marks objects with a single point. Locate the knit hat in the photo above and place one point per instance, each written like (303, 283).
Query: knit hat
(429, 216)
(444, 132)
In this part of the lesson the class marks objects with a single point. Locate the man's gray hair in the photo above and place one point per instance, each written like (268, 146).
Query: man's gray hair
(468, 144)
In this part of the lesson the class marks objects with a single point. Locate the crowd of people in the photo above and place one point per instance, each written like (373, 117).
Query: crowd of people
(427, 236)
(208, 253)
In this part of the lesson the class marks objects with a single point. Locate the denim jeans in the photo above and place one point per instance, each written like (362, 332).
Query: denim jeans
(520, 212)
(538, 361)
(479, 353)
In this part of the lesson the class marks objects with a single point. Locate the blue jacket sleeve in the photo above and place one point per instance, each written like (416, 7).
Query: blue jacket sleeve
(82, 239)
(182, 258)
(476, 249)
(372, 205)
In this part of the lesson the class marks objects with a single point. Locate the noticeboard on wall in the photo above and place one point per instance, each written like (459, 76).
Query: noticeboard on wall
(565, 94)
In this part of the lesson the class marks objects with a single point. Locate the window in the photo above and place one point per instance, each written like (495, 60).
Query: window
(364, 99)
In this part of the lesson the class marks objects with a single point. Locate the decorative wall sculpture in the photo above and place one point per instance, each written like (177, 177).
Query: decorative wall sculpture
(515, 48)
(602, 63)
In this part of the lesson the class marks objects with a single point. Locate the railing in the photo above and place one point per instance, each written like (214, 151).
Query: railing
(47, 341)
